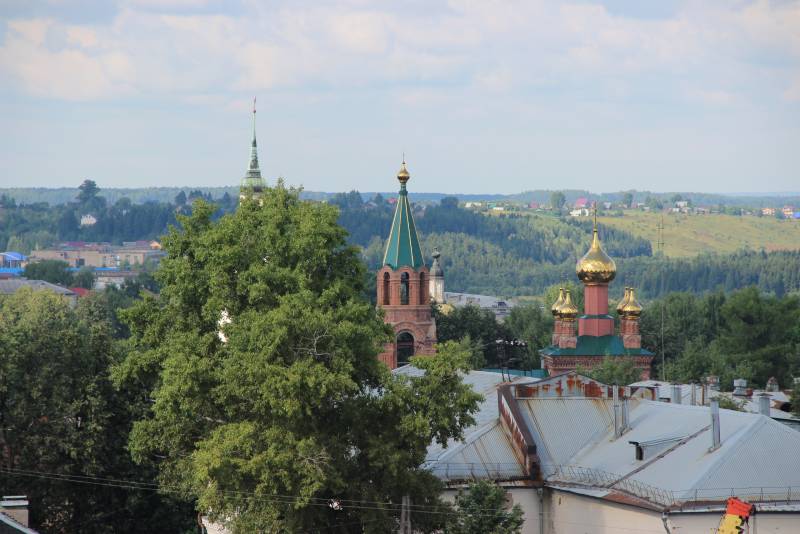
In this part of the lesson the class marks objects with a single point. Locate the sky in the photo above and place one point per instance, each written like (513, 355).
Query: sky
(482, 96)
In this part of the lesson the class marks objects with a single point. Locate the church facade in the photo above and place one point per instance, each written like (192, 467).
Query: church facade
(404, 287)
(595, 338)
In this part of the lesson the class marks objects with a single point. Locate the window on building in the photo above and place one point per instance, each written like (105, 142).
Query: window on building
(405, 348)
(423, 289)
(386, 289)
(404, 288)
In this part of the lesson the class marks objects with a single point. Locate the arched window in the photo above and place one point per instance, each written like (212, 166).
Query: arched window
(385, 289)
(404, 288)
(424, 291)
(405, 348)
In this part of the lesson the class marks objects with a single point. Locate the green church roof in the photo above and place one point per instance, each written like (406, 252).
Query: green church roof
(402, 247)
(252, 180)
(595, 346)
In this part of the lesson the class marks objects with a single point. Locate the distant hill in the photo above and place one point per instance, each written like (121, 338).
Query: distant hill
(63, 195)
(690, 235)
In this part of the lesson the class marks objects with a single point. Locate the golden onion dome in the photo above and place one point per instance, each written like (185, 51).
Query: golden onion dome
(568, 310)
(621, 304)
(559, 301)
(632, 308)
(402, 174)
(596, 267)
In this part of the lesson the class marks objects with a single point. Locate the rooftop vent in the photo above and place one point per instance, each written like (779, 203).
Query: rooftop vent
(676, 394)
(764, 401)
(713, 382)
(715, 441)
(772, 385)
(740, 387)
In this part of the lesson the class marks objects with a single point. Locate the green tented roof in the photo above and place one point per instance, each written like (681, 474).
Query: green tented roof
(595, 346)
(402, 248)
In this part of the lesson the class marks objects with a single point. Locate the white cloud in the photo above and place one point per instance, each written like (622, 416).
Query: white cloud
(155, 47)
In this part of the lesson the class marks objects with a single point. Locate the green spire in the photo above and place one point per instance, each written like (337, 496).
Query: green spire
(253, 181)
(402, 248)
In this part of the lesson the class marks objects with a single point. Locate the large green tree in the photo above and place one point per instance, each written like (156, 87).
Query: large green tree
(60, 417)
(481, 509)
(289, 408)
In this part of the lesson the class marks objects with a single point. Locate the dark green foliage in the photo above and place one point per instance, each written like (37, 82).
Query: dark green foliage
(295, 402)
(60, 414)
(479, 326)
(614, 371)
(53, 271)
(533, 325)
(482, 510)
(84, 278)
(745, 334)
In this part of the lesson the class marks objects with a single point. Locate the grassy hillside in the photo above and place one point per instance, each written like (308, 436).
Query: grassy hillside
(690, 235)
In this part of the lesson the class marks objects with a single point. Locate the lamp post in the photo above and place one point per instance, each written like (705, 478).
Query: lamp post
(503, 346)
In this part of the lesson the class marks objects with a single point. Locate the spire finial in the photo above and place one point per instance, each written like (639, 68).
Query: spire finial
(254, 121)
(595, 216)
(402, 174)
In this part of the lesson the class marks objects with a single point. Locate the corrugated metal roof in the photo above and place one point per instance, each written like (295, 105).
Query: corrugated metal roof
(563, 426)
(485, 446)
(487, 453)
(755, 451)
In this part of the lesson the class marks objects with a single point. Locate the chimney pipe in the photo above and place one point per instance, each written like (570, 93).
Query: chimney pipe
(764, 404)
(715, 441)
(625, 414)
(676, 394)
(617, 414)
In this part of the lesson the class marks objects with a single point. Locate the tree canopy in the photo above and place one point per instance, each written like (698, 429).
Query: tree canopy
(61, 417)
(293, 409)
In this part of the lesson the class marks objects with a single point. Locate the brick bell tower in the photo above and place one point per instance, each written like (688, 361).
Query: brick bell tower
(403, 287)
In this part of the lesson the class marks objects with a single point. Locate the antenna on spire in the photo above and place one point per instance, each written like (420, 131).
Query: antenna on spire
(595, 215)
(404, 157)
(254, 121)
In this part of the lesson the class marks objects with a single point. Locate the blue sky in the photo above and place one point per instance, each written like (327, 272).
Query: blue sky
(483, 96)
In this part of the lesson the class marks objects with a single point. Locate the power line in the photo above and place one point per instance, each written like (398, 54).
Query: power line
(280, 499)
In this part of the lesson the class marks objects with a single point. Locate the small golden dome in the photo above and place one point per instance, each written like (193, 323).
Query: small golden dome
(568, 311)
(402, 174)
(559, 301)
(632, 308)
(621, 304)
(596, 267)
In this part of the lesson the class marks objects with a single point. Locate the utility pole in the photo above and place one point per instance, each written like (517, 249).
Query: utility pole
(405, 516)
(660, 248)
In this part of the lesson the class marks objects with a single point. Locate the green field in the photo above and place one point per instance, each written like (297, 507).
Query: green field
(689, 235)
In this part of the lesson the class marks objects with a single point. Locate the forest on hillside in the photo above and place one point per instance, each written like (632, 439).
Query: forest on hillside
(513, 255)
(506, 255)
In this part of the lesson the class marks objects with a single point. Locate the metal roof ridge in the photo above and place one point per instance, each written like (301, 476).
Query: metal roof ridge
(473, 436)
(734, 442)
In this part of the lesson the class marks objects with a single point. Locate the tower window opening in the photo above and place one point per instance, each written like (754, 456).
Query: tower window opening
(405, 348)
(385, 289)
(404, 288)
(423, 289)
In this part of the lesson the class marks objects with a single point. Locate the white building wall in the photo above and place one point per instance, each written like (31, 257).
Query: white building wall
(526, 498)
(568, 513)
